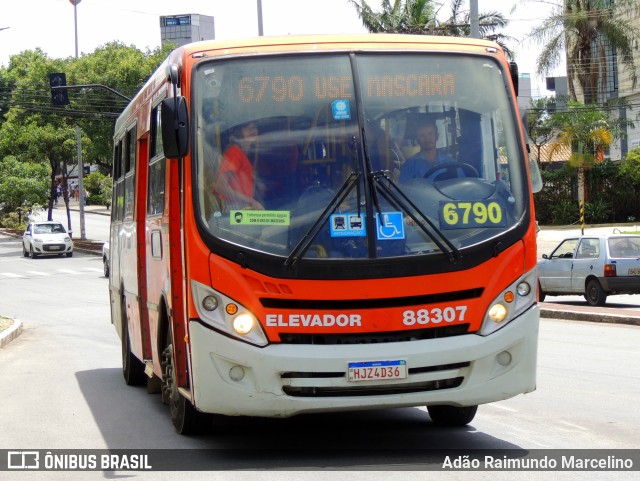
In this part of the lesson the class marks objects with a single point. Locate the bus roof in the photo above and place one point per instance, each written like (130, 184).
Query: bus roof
(296, 42)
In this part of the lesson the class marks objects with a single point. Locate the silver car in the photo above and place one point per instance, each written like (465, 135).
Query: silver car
(105, 258)
(46, 238)
(592, 265)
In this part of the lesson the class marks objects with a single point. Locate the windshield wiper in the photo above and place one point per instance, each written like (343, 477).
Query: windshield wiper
(396, 196)
(303, 245)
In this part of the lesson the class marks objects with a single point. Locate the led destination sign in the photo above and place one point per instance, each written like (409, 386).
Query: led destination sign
(295, 88)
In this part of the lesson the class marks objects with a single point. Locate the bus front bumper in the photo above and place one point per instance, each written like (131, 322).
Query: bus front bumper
(234, 378)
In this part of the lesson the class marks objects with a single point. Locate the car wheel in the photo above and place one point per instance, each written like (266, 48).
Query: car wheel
(541, 293)
(70, 254)
(595, 294)
(105, 267)
(452, 416)
(32, 253)
(24, 251)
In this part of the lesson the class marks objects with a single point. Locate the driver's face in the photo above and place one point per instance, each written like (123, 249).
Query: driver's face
(427, 137)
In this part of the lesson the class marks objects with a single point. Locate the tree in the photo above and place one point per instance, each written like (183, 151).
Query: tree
(22, 186)
(403, 16)
(120, 67)
(584, 31)
(459, 25)
(588, 130)
(539, 124)
(32, 130)
(630, 167)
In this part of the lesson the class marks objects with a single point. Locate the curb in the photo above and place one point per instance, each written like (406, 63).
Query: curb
(561, 312)
(11, 333)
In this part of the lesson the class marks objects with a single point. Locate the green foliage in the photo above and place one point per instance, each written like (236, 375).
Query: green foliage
(565, 212)
(99, 187)
(597, 211)
(33, 131)
(630, 167)
(22, 184)
(399, 16)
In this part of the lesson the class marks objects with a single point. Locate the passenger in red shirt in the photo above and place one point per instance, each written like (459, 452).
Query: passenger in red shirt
(235, 182)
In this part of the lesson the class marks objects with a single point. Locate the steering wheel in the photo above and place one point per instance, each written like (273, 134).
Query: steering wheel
(450, 170)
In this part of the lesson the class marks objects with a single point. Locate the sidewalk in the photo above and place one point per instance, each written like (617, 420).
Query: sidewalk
(93, 209)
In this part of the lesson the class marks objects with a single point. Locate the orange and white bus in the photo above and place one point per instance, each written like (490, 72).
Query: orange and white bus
(289, 237)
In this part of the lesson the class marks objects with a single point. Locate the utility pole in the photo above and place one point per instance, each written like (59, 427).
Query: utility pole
(260, 18)
(474, 19)
(81, 196)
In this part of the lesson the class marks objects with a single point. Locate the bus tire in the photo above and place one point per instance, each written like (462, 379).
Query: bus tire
(132, 367)
(184, 416)
(452, 416)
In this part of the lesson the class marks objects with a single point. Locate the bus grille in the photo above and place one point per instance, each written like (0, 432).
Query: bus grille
(375, 337)
(453, 379)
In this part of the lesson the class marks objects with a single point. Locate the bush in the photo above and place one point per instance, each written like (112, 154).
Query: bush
(597, 212)
(95, 199)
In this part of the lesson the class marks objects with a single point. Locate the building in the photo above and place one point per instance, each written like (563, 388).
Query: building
(187, 28)
(630, 93)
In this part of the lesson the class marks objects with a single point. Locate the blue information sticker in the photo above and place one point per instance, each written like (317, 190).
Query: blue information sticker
(341, 109)
(347, 225)
(390, 226)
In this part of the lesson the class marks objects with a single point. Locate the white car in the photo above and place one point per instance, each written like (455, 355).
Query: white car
(592, 265)
(105, 258)
(46, 238)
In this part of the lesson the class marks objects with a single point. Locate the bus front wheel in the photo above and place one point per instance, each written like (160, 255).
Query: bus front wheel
(452, 416)
(184, 416)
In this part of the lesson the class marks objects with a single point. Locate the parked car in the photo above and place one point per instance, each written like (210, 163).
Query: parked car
(46, 238)
(595, 266)
(105, 258)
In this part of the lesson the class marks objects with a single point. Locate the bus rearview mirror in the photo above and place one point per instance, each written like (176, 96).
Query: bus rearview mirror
(175, 127)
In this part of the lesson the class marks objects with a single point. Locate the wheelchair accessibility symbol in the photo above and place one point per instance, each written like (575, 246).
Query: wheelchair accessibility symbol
(390, 226)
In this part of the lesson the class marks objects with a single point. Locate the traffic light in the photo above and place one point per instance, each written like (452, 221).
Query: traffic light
(59, 96)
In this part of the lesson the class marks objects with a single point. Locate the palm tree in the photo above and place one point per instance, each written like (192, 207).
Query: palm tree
(586, 31)
(588, 130)
(404, 16)
(459, 25)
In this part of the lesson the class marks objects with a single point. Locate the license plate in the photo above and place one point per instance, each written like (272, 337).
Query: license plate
(54, 248)
(377, 370)
(634, 272)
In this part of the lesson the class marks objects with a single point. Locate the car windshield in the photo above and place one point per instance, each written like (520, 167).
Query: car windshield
(332, 156)
(49, 229)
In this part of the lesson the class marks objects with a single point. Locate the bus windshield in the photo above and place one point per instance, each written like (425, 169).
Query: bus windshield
(356, 155)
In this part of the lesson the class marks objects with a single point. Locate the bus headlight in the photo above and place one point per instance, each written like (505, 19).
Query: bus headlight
(226, 315)
(510, 303)
(243, 324)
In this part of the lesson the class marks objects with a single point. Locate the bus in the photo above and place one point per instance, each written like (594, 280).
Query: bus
(281, 242)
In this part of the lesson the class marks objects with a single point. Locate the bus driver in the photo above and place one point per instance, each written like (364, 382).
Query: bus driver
(417, 166)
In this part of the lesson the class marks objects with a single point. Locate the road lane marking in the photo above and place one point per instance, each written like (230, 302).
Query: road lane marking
(38, 273)
(11, 274)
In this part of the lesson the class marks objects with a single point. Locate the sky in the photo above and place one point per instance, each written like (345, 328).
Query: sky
(49, 24)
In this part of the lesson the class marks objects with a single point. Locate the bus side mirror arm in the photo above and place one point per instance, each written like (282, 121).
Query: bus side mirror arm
(175, 120)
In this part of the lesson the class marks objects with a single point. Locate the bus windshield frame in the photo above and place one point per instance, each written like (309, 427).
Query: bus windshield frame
(325, 140)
